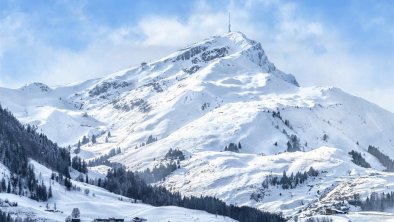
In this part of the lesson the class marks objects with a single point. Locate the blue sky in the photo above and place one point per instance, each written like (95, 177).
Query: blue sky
(348, 44)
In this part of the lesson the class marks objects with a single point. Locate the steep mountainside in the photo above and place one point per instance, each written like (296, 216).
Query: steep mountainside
(199, 100)
(19, 143)
(26, 185)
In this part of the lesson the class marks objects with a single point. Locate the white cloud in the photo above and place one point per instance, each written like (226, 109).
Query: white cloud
(10, 30)
(314, 52)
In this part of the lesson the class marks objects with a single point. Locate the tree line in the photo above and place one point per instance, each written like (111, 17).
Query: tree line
(79, 164)
(150, 140)
(7, 217)
(104, 159)
(383, 159)
(159, 172)
(358, 159)
(290, 182)
(19, 143)
(128, 184)
(319, 219)
(26, 186)
(377, 202)
(175, 156)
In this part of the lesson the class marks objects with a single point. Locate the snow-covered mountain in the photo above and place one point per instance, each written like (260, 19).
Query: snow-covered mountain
(202, 98)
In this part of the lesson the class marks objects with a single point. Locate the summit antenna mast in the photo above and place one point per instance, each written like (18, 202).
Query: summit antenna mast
(229, 23)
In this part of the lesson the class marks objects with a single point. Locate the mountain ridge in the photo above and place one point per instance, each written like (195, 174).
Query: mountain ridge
(225, 75)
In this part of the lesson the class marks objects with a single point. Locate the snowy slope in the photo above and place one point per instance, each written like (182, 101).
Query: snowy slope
(203, 97)
(99, 203)
(234, 177)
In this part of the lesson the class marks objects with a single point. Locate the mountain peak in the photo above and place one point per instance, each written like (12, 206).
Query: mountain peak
(236, 41)
(231, 54)
(239, 38)
(36, 87)
(234, 46)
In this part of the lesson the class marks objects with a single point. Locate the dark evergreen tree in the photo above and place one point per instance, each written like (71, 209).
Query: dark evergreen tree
(325, 137)
(287, 123)
(276, 115)
(9, 187)
(79, 164)
(3, 185)
(50, 192)
(293, 144)
(85, 140)
(94, 139)
(232, 147)
(67, 183)
(75, 214)
(78, 149)
(150, 139)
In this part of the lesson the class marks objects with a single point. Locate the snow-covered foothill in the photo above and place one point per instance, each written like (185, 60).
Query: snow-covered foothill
(97, 203)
